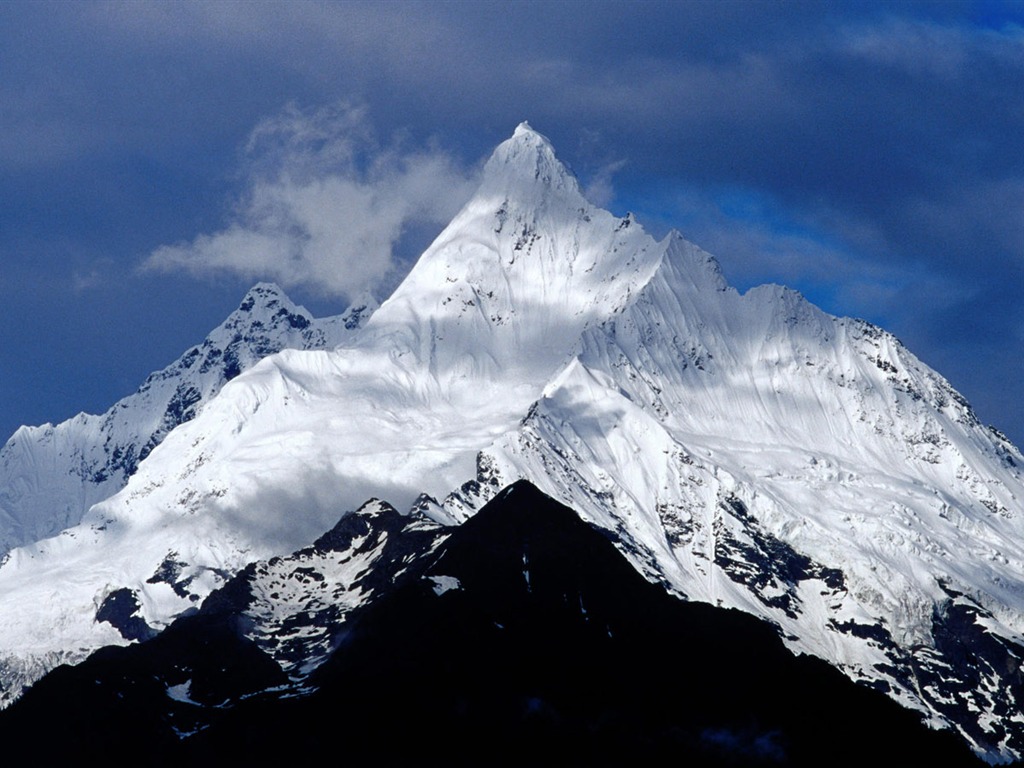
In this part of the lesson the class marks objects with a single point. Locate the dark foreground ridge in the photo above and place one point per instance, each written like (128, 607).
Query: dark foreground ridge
(524, 638)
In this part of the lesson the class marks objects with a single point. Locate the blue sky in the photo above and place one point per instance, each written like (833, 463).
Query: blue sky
(158, 158)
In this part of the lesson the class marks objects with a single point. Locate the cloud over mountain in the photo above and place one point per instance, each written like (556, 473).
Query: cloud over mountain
(324, 204)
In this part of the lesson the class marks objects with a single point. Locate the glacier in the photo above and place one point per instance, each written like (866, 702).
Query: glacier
(745, 450)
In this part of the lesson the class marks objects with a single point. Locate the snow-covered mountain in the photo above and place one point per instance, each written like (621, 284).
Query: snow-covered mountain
(748, 451)
(50, 475)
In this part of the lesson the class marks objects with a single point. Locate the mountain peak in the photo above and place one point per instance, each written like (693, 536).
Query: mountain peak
(526, 261)
(264, 294)
(524, 165)
(524, 128)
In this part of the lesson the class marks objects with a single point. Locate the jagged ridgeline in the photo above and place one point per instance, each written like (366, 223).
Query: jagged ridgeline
(51, 475)
(744, 451)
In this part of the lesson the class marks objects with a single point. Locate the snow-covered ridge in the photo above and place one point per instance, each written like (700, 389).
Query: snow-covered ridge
(50, 475)
(721, 434)
(748, 450)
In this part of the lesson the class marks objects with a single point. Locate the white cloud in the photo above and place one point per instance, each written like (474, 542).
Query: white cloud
(324, 205)
(599, 189)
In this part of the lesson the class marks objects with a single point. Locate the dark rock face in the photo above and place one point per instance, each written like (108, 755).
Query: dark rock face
(524, 637)
(298, 604)
(973, 669)
(763, 561)
(120, 609)
(140, 701)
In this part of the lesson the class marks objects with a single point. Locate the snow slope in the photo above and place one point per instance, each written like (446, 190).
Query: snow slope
(747, 450)
(50, 475)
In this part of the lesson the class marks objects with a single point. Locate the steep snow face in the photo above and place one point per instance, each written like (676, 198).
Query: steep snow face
(50, 475)
(505, 291)
(747, 450)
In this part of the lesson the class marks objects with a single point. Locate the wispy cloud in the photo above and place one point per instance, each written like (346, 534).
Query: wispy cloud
(324, 204)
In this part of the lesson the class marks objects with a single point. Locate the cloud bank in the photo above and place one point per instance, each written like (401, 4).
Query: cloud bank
(324, 205)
